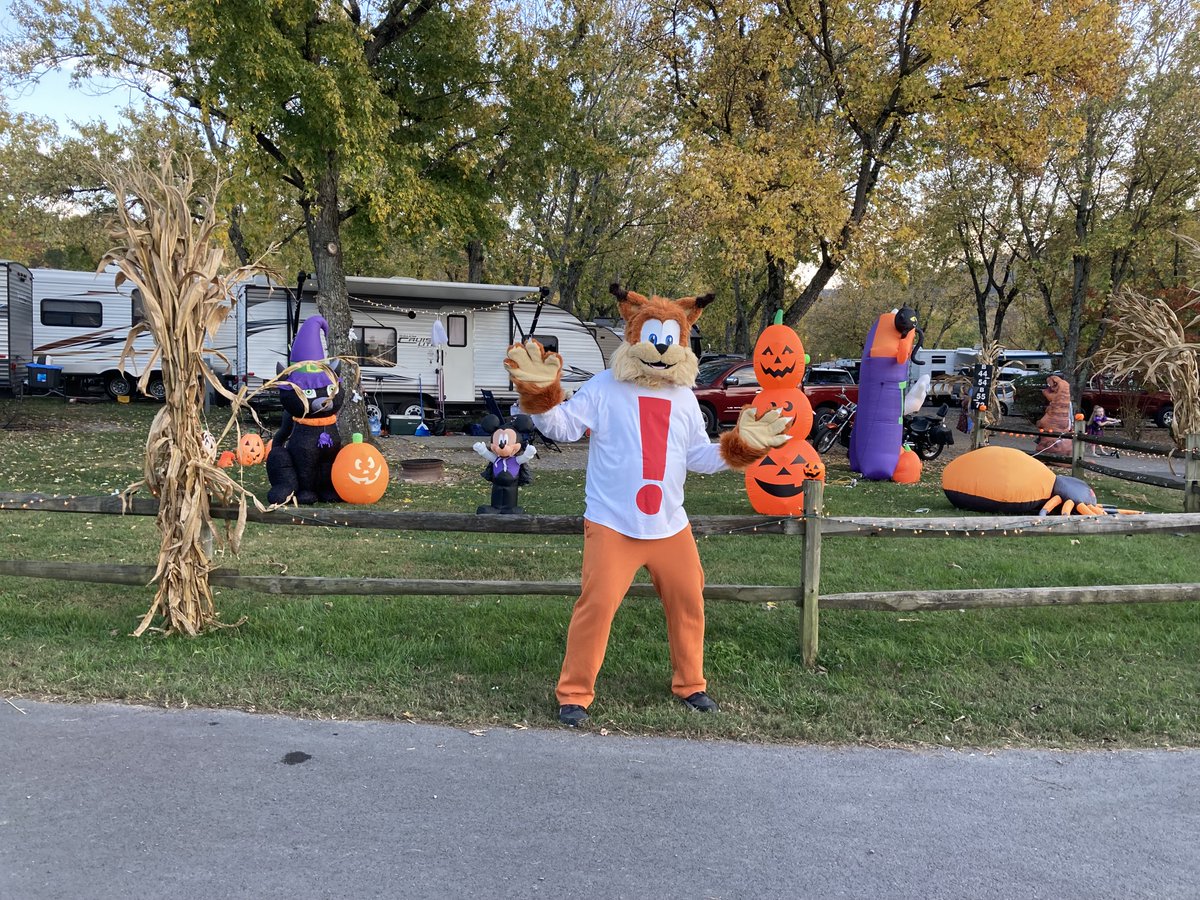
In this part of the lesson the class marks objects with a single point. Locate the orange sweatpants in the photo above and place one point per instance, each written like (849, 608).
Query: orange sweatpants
(610, 560)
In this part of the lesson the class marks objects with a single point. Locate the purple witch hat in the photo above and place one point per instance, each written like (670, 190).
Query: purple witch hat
(307, 348)
(307, 344)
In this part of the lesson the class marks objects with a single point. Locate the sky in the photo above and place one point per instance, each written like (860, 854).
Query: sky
(53, 97)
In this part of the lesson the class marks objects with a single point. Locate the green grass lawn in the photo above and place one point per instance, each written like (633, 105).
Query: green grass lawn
(1072, 677)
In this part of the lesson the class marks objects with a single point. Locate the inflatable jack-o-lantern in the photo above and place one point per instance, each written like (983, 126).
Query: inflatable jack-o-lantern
(251, 450)
(775, 484)
(779, 356)
(360, 473)
(791, 402)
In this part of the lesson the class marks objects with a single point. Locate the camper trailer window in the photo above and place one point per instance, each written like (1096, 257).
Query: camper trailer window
(456, 331)
(72, 313)
(138, 308)
(375, 346)
(549, 342)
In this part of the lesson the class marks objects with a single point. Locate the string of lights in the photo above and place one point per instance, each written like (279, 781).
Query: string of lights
(1085, 438)
(412, 312)
(1036, 525)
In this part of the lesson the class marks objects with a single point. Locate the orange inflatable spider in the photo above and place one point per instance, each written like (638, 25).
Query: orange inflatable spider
(1007, 480)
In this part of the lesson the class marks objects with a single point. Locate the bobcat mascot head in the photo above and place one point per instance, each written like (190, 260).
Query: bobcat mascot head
(656, 350)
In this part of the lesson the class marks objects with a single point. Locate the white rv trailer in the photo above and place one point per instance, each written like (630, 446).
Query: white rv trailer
(16, 324)
(393, 320)
(81, 321)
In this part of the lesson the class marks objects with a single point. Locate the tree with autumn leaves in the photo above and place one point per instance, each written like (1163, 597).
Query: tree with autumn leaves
(802, 122)
(716, 144)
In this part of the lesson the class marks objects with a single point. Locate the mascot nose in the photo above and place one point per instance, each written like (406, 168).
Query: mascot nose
(321, 403)
(661, 348)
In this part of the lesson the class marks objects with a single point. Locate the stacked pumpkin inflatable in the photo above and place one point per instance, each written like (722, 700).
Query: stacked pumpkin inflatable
(775, 484)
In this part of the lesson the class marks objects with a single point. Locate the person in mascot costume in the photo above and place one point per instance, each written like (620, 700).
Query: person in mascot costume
(647, 432)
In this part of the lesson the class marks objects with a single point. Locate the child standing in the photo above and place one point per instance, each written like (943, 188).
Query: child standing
(1095, 428)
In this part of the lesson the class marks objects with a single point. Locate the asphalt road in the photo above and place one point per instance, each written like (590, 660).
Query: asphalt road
(103, 801)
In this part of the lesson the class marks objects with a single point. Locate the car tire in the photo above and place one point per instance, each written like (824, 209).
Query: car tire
(116, 384)
(1165, 417)
(710, 420)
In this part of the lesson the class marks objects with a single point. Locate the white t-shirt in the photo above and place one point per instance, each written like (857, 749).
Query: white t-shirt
(644, 441)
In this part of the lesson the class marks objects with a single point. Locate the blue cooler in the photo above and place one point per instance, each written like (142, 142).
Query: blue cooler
(44, 379)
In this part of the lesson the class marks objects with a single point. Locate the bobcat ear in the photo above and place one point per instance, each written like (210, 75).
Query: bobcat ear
(693, 306)
(616, 290)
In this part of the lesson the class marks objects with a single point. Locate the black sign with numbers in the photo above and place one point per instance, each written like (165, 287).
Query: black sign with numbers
(981, 385)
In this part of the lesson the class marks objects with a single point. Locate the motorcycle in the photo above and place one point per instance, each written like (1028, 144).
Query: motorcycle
(836, 426)
(928, 435)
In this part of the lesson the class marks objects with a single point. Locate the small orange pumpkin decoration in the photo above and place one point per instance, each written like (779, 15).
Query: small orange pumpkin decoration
(775, 484)
(360, 473)
(226, 459)
(779, 358)
(251, 450)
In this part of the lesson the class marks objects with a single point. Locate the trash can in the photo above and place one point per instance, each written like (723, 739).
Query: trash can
(44, 379)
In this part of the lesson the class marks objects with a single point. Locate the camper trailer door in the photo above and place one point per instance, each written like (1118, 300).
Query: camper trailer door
(457, 358)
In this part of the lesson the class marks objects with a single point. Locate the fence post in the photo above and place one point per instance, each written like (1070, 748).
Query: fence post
(1077, 447)
(1191, 474)
(810, 572)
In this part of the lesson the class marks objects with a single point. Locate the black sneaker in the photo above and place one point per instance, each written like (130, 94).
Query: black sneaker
(572, 714)
(701, 702)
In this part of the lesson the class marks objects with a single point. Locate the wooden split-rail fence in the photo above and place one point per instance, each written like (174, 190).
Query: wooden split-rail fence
(813, 527)
(1190, 484)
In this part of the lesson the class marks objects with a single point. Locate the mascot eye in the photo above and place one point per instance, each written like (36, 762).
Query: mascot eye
(310, 393)
(670, 332)
(329, 390)
(502, 441)
(651, 329)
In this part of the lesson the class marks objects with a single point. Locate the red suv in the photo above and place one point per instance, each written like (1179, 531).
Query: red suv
(1113, 395)
(725, 384)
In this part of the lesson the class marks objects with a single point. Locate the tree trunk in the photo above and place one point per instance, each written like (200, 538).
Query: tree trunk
(811, 293)
(322, 220)
(236, 239)
(773, 293)
(568, 287)
(475, 261)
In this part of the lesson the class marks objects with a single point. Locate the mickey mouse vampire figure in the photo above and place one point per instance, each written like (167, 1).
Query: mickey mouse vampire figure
(506, 454)
(646, 434)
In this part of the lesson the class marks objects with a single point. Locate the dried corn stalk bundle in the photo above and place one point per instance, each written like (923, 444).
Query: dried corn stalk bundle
(166, 248)
(1150, 345)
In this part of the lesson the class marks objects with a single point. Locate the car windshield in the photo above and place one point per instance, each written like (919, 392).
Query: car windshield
(711, 369)
(827, 376)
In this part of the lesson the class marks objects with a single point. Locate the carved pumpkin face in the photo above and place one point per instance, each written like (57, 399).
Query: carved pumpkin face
(360, 473)
(251, 450)
(790, 402)
(779, 357)
(775, 484)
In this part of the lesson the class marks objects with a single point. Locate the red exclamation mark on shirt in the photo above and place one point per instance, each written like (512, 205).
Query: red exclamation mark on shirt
(655, 415)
